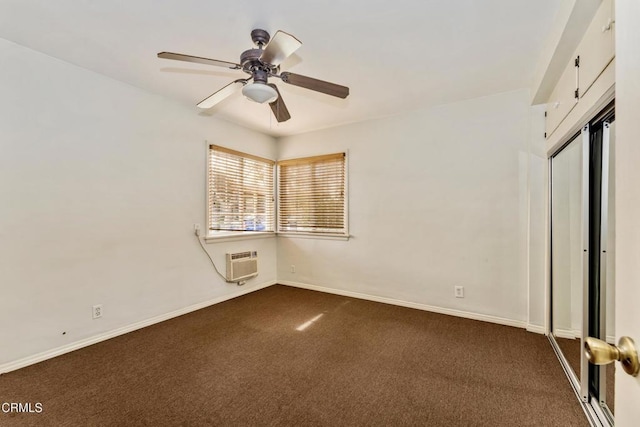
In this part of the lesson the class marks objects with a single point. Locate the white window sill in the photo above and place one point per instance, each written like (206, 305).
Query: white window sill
(319, 236)
(226, 236)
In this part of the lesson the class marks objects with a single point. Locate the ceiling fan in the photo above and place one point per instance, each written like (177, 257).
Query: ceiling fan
(261, 63)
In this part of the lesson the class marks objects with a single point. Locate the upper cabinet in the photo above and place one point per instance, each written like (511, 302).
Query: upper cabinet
(563, 98)
(593, 55)
(597, 48)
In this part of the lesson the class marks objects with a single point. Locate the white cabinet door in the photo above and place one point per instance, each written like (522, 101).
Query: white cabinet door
(562, 98)
(597, 48)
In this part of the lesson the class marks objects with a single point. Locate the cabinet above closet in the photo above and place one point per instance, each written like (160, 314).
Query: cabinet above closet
(593, 55)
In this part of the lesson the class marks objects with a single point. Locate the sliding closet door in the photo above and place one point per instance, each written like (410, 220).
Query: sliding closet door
(569, 197)
(582, 259)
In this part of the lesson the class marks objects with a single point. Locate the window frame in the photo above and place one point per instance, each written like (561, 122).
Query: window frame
(310, 234)
(222, 235)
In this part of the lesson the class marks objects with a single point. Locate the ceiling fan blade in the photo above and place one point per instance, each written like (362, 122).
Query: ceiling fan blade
(315, 84)
(199, 60)
(222, 94)
(278, 107)
(281, 46)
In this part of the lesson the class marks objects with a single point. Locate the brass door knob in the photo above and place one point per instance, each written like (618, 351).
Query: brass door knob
(600, 353)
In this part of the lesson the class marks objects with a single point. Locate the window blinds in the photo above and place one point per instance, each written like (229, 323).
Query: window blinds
(241, 194)
(311, 195)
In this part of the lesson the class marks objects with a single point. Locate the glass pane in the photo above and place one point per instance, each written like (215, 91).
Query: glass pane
(240, 193)
(566, 246)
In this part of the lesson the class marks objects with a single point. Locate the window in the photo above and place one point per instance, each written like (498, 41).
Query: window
(240, 191)
(311, 195)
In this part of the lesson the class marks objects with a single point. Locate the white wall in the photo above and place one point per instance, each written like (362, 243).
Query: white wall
(538, 207)
(436, 200)
(100, 185)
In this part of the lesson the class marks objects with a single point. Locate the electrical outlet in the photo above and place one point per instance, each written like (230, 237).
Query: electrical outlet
(459, 291)
(196, 229)
(97, 311)
(293, 268)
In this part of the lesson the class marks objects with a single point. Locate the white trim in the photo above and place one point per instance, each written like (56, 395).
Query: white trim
(418, 306)
(547, 246)
(321, 236)
(228, 236)
(568, 334)
(528, 222)
(49, 354)
(536, 329)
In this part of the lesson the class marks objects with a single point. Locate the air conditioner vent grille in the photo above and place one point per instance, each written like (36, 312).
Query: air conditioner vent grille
(242, 265)
(241, 255)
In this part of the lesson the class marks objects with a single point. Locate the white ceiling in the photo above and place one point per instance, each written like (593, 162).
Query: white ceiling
(394, 55)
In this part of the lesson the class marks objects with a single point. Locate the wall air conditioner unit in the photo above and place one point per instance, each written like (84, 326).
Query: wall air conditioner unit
(242, 265)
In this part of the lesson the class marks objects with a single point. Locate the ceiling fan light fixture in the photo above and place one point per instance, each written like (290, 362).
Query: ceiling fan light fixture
(260, 93)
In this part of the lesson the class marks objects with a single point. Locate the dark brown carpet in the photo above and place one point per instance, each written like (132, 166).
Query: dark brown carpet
(242, 362)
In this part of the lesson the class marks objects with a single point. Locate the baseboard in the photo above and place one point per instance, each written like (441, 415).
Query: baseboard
(434, 309)
(49, 354)
(576, 335)
(569, 334)
(536, 329)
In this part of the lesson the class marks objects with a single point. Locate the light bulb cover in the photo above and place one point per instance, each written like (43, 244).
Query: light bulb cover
(260, 93)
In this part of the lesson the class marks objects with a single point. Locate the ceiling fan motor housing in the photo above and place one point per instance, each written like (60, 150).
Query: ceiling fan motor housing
(251, 64)
(260, 37)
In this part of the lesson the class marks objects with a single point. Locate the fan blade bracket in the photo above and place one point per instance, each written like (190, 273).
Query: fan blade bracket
(310, 83)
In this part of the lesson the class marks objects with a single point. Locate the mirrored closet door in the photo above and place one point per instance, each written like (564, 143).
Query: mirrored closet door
(566, 252)
(582, 257)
